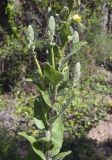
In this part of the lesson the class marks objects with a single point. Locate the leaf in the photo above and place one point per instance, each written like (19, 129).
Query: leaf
(57, 132)
(64, 107)
(46, 98)
(41, 110)
(39, 85)
(52, 75)
(65, 33)
(57, 52)
(43, 139)
(32, 140)
(77, 46)
(39, 123)
(62, 155)
(39, 153)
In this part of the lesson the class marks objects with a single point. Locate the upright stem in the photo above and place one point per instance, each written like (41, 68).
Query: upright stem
(53, 59)
(38, 65)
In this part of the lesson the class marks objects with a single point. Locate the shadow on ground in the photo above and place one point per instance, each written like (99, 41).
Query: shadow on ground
(88, 149)
(14, 148)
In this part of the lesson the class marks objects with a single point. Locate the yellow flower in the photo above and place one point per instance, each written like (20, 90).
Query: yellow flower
(76, 18)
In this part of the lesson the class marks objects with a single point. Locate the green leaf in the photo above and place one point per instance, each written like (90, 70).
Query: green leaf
(46, 98)
(39, 153)
(43, 139)
(39, 85)
(65, 33)
(57, 131)
(52, 75)
(64, 107)
(77, 46)
(57, 52)
(62, 155)
(41, 110)
(39, 123)
(32, 140)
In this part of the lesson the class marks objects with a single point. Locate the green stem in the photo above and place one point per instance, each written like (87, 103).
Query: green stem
(53, 59)
(38, 65)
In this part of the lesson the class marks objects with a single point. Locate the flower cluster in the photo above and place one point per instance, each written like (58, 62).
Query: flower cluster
(76, 18)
